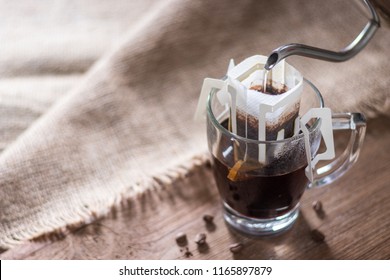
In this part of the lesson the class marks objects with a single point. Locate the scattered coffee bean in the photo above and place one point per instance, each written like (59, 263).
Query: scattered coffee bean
(317, 236)
(200, 239)
(181, 238)
(317, 206)
(209, 222)
(235, 248)
(208, 218)
(187, 253)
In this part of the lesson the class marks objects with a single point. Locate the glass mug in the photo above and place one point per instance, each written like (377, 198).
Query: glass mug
(263, 199)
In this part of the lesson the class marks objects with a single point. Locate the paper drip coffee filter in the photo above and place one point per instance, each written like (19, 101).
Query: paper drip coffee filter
(254, 114)
(261, 116)
(268, 116)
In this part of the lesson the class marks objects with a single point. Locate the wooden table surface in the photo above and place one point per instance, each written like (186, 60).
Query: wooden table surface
(356, 222)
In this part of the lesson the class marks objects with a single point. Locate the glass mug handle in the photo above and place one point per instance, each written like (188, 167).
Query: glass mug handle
(356, 123)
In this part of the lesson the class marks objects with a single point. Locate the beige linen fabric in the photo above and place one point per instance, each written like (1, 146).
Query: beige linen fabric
(126, 125)
(47, 45)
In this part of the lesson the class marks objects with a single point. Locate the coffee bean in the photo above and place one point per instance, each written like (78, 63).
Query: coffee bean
(317, 206)
(208, 218)
(181, 238)
(187, 253)
(235, 248)
(200, 239)
(317, 236)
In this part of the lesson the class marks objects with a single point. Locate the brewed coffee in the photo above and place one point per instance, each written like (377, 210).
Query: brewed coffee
(260, 197)
(263, 195)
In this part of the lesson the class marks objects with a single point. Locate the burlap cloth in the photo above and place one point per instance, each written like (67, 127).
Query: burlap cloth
(86, 142)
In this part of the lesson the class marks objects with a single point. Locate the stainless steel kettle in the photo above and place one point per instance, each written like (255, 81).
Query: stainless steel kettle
(313, 52)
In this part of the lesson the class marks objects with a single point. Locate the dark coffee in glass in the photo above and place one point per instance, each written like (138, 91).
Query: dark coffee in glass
(257, 191)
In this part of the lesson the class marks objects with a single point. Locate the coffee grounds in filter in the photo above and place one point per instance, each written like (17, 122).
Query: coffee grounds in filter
(248, 125)
(279, 122)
